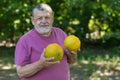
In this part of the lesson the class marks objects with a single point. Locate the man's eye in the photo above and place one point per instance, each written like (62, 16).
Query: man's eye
(39, 18)
(47, 17)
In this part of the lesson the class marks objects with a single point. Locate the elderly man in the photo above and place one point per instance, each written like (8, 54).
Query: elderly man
(30, 61)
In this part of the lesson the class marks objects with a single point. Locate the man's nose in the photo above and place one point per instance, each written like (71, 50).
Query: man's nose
(43, 20)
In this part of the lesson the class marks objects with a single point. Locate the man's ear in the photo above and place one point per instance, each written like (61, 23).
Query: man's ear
(53, 18)
(32, 20)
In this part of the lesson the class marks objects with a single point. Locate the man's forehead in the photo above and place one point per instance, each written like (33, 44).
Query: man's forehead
(41, 13)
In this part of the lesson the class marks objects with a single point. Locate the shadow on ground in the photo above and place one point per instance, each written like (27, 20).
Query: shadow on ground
(95, 71)
(8, 74)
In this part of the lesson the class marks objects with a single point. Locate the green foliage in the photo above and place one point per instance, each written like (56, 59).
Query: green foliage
(90, 20)
(111, 39)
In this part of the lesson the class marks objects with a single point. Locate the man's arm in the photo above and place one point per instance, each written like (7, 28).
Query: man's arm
(31, 69)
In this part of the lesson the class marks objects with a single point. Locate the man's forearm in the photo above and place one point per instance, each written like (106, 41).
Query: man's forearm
(29, 69)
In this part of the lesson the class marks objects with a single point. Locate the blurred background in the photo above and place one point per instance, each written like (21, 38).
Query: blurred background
(95, 22)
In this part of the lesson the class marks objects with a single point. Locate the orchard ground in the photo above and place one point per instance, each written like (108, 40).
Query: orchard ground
(93, 63)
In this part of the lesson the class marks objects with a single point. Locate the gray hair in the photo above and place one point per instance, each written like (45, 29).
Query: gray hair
(42, 7)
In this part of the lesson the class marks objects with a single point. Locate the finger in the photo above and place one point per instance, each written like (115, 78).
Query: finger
(43, 52)
(79, 49)
(73, 52)
(54, 62)
(50, 59)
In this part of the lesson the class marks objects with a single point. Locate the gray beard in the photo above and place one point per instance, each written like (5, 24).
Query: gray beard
(43, 30)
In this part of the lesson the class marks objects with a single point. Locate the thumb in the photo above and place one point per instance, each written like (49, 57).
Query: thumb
(43, 53)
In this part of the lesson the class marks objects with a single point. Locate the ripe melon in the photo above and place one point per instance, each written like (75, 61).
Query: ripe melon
(72, 43)
(54, 50)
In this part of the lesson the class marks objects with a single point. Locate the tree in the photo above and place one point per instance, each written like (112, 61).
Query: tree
(90, 20)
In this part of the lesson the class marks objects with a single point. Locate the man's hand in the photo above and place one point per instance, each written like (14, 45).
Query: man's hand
(72, 56)
(46, 62)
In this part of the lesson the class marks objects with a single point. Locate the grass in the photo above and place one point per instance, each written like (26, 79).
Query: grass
(97, 63)
(7, 67)
(93, 63)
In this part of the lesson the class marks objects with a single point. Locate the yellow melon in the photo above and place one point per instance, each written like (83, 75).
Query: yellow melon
(54, 50)
(72, 43)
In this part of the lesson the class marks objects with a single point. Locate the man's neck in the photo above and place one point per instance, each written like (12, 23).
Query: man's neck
(47, 34)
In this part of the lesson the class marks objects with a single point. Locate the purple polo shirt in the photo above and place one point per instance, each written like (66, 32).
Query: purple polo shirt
(31, 45)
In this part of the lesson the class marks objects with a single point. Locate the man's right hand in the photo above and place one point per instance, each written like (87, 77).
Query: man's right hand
(47, 62)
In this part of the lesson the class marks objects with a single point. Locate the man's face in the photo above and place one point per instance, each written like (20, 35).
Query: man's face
(42, 21)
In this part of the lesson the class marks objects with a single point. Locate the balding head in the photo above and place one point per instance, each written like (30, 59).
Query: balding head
(42, 7)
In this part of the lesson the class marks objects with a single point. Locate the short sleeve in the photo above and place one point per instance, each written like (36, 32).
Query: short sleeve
(21, 53)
